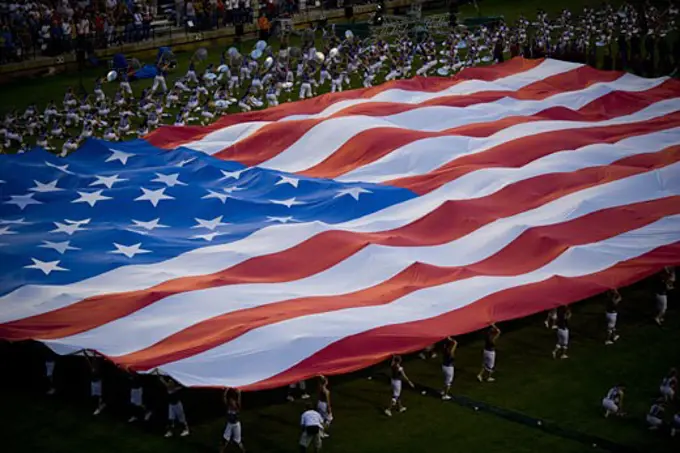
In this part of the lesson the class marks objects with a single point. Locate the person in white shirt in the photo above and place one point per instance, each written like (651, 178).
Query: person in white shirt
(654, 420)
(613, 402)
(311, 423)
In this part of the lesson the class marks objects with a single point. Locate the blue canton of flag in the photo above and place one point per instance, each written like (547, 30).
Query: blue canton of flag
(110, 205)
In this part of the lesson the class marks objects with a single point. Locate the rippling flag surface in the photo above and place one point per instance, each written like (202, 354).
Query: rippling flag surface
(324, 235)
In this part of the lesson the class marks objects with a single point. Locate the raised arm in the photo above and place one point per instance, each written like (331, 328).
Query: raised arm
(454, 346)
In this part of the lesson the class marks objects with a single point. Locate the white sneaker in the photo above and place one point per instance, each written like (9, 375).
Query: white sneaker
(479, 378)
(51, 391)
(147, 416)
(290, 398)
(168, 434)
(402, 409)
(325, 435)
(132, 419)
(304, 396)
(490, 379)
(616, 337)
(388, 412)
(564, 356)
(446, 397)
(422, 355)
(554, 354)
(608, 342)
(184, 433)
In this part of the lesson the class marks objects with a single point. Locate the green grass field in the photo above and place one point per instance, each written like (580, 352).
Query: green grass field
(18, 95)
(564, 395)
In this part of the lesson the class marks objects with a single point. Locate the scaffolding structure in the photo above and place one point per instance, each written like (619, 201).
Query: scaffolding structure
(400, 27)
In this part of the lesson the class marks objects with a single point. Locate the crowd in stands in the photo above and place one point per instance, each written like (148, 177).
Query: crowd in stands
(54, 27)
(30, 28)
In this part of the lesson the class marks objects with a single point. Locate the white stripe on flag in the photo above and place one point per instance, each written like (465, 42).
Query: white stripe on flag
(324, 139)
(35, 299)
(272, 349)
(230, 135)
(377, 263)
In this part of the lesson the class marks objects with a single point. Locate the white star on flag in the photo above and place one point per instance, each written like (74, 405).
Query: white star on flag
(118, 155)
(129, 250)
(169, 180)
(91, 198)
(107, 181)
(63, 168)
(287, 180)
(288, 203)
(150, 225)
(78, 222)
(182, 163)
(46, 187)
(208, 236)
(231, 174)
(60, 247)
(154, 196)
(232, 189)
(46, 266)
(212, 194)
(4, 231)
(281, 219)
(14, 222)
(23, 200)
(354, 192)
(68, 228)
(209, 224)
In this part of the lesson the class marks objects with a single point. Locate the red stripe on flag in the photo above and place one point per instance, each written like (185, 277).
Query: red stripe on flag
(538, 246)
(172, 136)
(276, 137)
(369, 146)
(442, 225)
(521, 151)
(359, 351)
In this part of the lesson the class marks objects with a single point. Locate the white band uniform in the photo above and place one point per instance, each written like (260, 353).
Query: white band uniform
(448, 374)
(396, 389)
(176, 413)
(610, 405)
(563, 338)
(232, 432)
(489, 360)
(611, 320)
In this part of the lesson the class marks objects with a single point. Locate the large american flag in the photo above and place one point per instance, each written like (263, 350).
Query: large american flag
(322, 236)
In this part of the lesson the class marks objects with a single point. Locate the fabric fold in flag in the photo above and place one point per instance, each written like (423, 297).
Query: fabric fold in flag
(319, 237)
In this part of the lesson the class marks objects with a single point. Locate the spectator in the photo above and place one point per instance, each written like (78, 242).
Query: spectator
(180, 12)
(190, 14)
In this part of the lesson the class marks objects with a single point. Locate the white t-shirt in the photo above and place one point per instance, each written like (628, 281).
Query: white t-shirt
(311, 418)
(83, 27)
